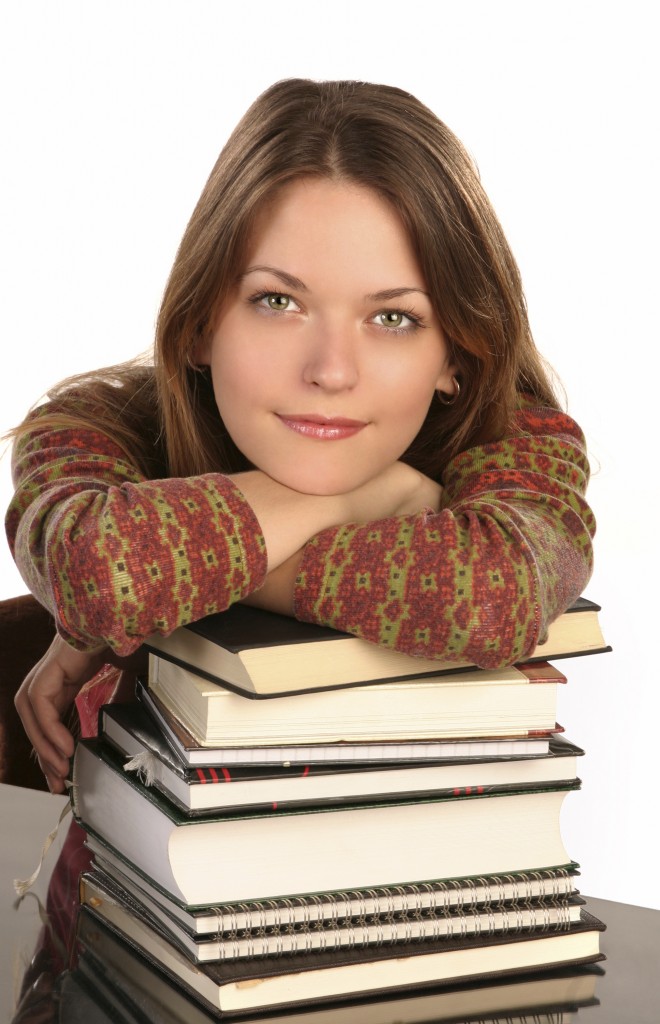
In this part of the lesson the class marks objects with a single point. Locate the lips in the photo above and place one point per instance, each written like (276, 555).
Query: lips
(322, 428)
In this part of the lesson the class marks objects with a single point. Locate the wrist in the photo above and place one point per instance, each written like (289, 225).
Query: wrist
(287, 518)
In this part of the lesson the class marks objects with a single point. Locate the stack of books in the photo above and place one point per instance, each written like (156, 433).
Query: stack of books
(359, 827)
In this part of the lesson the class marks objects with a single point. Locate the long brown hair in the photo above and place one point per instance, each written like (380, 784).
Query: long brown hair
(384, 139)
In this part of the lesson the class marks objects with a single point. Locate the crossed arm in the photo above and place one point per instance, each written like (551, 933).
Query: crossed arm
(474, 570)
(116, 557)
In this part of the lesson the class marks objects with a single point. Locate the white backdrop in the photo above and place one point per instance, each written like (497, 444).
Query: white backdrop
(112, 115)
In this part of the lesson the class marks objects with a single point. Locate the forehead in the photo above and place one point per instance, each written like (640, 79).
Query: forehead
(320, 220)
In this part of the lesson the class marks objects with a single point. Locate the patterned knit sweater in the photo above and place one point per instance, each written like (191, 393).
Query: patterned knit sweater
(117, 557)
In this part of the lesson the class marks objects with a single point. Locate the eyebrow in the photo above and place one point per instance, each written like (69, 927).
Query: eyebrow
(395, 293)
(294, 282)
(287, 279)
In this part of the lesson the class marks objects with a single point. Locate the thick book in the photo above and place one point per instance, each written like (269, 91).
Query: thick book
(130, 729)
(190, 753)
(244, 856)
(136, 989)
(515, 701)
(556, 885)
(301, 979)
(111, 901)
(263, 654)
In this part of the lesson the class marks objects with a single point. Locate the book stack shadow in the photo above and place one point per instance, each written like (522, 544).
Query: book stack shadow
(290, 822)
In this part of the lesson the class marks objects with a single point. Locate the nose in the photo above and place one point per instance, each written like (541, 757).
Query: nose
(331, 359)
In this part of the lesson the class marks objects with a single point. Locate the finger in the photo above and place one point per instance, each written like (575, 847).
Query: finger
(44, 696)
(52, 752)
(49, 704)
(41, 702)
(23, 704)
(55, 782)
(51, 760)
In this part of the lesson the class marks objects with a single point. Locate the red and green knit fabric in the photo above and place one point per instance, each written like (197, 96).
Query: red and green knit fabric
(481, 579)
(117, 557)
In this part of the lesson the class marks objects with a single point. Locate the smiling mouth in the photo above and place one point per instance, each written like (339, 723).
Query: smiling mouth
(322, 428)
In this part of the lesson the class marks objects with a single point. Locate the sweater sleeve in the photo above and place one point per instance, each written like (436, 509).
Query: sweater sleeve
(116, 557)
(480, 579)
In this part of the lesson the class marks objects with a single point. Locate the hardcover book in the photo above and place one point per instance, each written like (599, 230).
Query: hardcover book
(190, 753)
(130, 729)
(245, 856)
(263, 654)
(269, 982)
(511, 701)
(556, 885)
(136, 989)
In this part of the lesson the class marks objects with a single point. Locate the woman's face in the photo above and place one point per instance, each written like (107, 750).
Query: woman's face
(326, 354)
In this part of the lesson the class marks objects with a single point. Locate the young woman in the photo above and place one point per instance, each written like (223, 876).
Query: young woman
(346, 419)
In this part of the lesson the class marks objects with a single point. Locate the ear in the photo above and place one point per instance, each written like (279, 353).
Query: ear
(446, 379)
(202, 349)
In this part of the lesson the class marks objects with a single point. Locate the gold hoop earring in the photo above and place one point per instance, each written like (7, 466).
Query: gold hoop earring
(449, 399)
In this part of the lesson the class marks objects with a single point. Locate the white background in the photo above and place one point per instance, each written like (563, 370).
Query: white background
(112, 115)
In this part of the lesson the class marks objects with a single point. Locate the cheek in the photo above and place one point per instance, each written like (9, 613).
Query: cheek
(237, 377)
(412, 403)
(409, 378)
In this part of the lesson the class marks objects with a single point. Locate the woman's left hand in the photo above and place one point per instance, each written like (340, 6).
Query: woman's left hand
(44, 697)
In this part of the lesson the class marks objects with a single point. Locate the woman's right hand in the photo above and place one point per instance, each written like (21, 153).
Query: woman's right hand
(45, 695)
(396, 491)
(288, 518)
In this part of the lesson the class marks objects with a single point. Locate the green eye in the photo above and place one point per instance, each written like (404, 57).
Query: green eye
(279, 302)
(391, 319)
